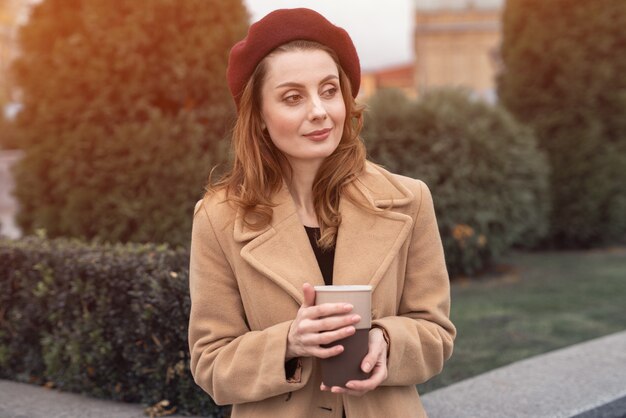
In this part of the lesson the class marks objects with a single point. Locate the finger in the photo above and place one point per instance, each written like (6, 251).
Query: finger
(329, 309)
(351, 392)
(371, 383)
(316, 327)
(329, 323)
(338, 389)
(309, 295)
(344, 391)
(369, 361)
(320, 352)
(337, 321)
(328, 337)
(362, 385)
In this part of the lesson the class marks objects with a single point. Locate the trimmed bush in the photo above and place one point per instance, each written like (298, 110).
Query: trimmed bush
(124, 109)
(488, 180)
(8, 137)
(105, 320)
(563, 75)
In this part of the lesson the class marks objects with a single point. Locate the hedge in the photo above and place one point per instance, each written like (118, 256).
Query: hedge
(125, 111)
(487, 177)
(105, 320)
(563, 75)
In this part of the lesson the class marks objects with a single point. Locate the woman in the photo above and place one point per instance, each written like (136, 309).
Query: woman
(301, 206)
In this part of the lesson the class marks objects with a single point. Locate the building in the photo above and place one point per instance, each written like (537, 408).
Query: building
(8, 203)
(456, 43)
(401, 77)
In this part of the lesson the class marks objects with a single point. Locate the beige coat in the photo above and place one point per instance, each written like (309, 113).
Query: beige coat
(246, 287)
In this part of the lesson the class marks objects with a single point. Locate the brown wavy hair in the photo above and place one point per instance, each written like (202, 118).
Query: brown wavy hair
(259, 168)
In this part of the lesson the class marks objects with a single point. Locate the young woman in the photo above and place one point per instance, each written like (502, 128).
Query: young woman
(301, 206)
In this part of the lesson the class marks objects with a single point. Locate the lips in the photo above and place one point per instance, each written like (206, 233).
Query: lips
(318, 135)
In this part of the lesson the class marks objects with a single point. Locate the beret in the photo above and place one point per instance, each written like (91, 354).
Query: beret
(280, 27)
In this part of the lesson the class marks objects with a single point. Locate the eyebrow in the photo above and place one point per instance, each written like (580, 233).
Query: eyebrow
(294, 84)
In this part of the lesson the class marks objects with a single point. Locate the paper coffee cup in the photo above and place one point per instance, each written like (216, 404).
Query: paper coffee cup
(339, 369)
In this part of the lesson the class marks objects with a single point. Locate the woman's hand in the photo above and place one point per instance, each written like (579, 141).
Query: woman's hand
(375, 361)
(316, 325)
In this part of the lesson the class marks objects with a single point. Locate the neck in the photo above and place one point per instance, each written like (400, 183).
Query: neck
(301, 187)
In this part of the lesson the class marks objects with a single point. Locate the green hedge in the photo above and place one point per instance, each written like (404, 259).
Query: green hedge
(8, 139)
(125, 107)
(105, 320)
(488, 180)
(563, 74)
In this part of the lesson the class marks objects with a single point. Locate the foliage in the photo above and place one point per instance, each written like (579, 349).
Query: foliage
(488, 180)
(542, 302)
(105, 320)
(124, 108)
(563, 74)
(8, 136)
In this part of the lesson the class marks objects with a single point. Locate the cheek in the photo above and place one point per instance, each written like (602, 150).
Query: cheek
(339, 112)
(282, 125)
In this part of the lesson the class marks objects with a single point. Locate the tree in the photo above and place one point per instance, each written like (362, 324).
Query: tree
(125, 105)
(9, 17)
(487, 177)
(563, 74)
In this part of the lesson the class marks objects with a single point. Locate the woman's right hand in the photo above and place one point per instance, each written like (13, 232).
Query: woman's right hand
(316, 325)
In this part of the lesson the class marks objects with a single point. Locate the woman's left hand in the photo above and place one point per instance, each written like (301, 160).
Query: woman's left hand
(375, 361)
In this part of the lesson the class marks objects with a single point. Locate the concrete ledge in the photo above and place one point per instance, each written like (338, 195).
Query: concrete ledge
(564, 383)
(20, 400)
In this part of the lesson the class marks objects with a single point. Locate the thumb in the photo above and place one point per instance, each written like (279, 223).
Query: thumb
(369, 362)
(309, 295)
(371, 358)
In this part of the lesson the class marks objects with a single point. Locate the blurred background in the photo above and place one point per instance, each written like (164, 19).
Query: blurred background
(113, 113)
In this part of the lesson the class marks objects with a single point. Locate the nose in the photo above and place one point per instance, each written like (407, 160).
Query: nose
(317, 111)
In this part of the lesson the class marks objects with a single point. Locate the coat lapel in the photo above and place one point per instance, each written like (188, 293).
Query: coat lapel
(282, 250)
(366, 244)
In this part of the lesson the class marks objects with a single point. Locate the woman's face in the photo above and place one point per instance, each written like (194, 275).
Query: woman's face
(302, 106)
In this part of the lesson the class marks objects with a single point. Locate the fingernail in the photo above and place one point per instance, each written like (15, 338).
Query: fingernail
(348, 307)
(356, 318)
(366, 367)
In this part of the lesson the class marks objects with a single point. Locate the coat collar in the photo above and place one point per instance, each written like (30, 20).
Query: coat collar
(366, 242)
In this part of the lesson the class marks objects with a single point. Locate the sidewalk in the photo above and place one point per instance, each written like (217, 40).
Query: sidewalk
(564, 383)
(20, 400)
(586, 380)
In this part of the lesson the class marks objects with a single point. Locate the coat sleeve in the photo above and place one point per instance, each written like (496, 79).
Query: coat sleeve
(421, 335)
(229, 361)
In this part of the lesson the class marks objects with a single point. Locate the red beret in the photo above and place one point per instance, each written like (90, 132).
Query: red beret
(283, 26)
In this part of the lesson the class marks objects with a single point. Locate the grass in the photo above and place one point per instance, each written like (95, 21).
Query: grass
(540, 302)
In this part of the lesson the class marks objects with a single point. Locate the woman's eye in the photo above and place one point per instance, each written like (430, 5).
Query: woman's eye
(330, 92)
(293, 98)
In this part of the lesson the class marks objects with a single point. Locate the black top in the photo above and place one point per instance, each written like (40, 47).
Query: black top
(325, 259)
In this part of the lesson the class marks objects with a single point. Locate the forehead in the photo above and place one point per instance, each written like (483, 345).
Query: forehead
(299, 66)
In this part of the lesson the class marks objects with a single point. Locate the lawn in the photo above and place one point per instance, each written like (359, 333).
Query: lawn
(540, 302)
